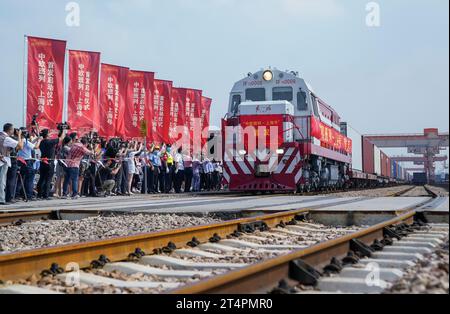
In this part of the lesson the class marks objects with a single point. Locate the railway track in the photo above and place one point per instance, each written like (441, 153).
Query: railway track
(418, 191)
(230, 253)
(22, 217)
(399, 238)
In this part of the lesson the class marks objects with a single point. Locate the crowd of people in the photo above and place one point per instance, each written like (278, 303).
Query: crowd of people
(34, 166)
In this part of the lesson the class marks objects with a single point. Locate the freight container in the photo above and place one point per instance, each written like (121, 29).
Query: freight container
(377, 160)
(386, 167)
(420, 178)
(383, 158)
(367, 157)
(394, 170)
(357, 155)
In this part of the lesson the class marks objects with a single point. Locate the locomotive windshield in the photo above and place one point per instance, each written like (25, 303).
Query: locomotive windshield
(255, 94)
(282, 93)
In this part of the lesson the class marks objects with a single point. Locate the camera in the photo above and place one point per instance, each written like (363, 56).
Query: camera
(33, 120)
(63, 126)
(25, 133)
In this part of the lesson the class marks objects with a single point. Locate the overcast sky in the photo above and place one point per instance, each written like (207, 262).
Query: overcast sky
(392, 78)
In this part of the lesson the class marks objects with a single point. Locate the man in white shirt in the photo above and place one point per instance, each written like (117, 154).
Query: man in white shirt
(7, 144)
(179, 170)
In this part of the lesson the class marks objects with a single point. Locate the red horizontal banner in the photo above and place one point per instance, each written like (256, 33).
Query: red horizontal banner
(334, 139)
(262, 124)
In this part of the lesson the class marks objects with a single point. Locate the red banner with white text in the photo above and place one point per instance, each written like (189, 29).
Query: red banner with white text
(113, 91)
(205, 117)
(139, 110)
(177, 117)
(333, 139)
(45, 81)
(192, 101)
(269, 126)
(82, 103)
(162, 98)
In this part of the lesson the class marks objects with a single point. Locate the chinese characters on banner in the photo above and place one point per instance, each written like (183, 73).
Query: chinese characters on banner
(262, 125)
(176, 114)
(162, 99)
(334, 139)
(190, 101)
(127, 104)
(139, 103)
(113, 90)
(82, 101)
(193, 107)
(45, 81)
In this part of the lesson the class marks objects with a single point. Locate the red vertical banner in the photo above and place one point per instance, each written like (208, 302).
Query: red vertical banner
(138, 111)
(113, 90)
(193, 107)
(192, 100)
(162, 98)
(177, 119)
(205, 117)
(84, 69)
(45, 81)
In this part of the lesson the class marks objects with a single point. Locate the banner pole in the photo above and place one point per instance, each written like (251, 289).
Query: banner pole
(66, 87)
(25, 65)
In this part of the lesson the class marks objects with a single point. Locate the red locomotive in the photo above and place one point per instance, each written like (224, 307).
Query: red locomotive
(278, 135)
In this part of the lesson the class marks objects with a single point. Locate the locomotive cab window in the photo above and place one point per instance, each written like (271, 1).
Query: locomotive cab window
(315, 105)
(235, 102)
(302, 105)
(282, 93)
(255, 94)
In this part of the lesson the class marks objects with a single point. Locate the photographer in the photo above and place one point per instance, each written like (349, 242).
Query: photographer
(77, 151)
(26, 162)
(46, 171)
(7, 145)
(135, 150)
(62, 154)
(89, 186)
(121, 182)
(107, 175)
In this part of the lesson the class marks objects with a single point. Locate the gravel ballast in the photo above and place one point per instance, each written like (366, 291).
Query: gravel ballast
(428, 276)
(50, 233)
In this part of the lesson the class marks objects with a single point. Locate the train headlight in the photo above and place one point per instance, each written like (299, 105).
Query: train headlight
(268, 75)
(242, 152)
(280, 151)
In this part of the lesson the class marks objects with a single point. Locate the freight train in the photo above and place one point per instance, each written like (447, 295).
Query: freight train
(279, 135)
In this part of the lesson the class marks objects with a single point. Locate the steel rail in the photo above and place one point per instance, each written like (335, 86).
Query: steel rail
(429, 191)
(23, 264)
(400, 193)
(18, 217)
(262, 277)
